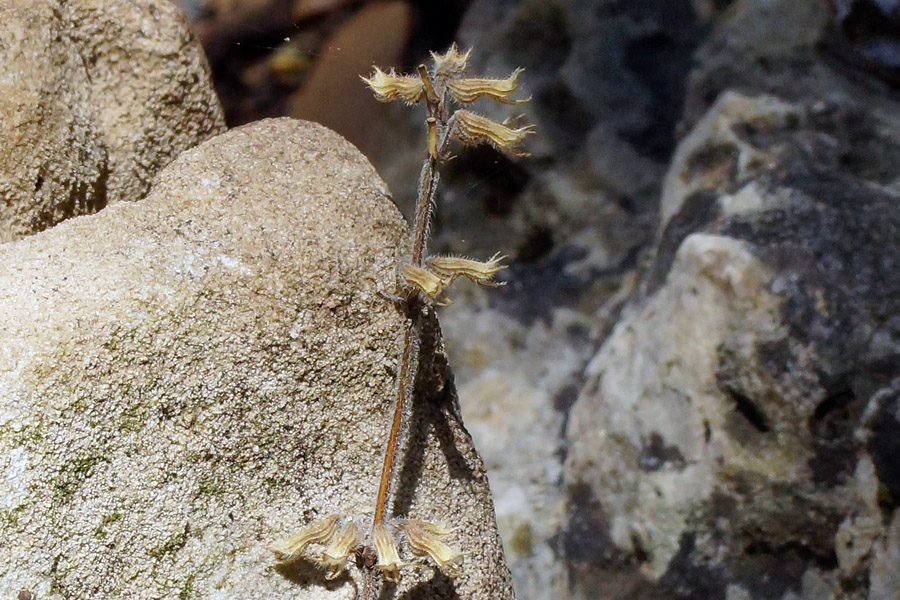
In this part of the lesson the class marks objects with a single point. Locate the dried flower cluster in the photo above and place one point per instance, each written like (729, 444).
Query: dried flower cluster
(442, 271)
(379, 544)
(467, 127)
(338, 540)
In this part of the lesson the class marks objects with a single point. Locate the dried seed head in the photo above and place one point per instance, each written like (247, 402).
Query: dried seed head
(425, 539)
(388, 559)
(451, 267)
(424, 281)
(472, 130)
(390, 86)
(440, 528)
(466, 91)
(451, 62)
(334, 559)
(317, 532)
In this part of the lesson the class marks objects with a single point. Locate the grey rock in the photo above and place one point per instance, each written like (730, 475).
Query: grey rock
(610, 81)
(885, 582)
(722, 442)
(514, 400)
(97, 97)
(186, 379)
(799, 50)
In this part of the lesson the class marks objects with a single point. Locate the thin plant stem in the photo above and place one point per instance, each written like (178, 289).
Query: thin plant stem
(421, 285)
(424, 207)
(402, 384)
(436, 89)
(428, 181)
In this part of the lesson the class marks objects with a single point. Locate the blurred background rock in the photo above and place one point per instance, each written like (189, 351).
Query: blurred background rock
(688, 388)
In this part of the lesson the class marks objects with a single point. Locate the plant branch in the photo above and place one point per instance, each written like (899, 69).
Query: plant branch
(402, 386)
(437, 123)
(422, 283)
(421, 287)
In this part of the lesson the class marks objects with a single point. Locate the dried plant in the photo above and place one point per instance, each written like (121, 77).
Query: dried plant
(373, 541)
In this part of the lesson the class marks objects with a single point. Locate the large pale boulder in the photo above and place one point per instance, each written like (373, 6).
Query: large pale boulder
(95, 98)
(186, 379)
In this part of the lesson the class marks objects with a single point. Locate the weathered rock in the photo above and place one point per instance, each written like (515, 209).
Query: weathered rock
(95, 98)
(514, 399)
(885, 582)
(149, 83)
(186, 379)
(784, 48)
(53, 160)
(721, 446)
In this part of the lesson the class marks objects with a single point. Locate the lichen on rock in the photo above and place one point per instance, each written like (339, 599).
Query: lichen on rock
(733, 423)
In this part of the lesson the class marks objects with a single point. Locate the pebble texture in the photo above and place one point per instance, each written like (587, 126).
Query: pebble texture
(95, 98)
(186, 379)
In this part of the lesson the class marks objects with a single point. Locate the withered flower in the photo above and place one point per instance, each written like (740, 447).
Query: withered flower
(426, 539)
(334, 559)
(451, 267)
(472, 129)
(451, 62)
(425, 282)
(317, 532)
(466, 91)
(388, 560)
(390, 86)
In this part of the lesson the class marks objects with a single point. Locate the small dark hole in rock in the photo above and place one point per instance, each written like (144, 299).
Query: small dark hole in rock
(640, 553)
(746, 408)
(833, 403)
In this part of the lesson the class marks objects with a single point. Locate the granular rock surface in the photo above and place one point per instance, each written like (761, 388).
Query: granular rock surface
(95, 98)
(186, 379)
